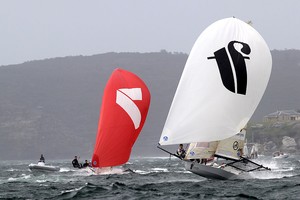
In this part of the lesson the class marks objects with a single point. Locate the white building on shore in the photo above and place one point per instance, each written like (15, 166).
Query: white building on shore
(282, 116)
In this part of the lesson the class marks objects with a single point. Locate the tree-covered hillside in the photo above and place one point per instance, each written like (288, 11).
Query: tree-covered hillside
(52, 106)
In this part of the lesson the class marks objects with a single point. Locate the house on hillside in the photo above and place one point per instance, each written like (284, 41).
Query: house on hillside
(282, 116)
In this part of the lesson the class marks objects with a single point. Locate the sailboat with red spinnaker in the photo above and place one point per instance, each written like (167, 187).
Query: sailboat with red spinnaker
(124, 109)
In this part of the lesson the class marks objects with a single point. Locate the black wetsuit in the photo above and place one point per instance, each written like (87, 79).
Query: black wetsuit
(85, 165)
(42, 159)
(76, 163)
(181, 153)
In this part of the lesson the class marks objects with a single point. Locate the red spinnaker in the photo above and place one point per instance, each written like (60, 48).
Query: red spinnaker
(125, 105)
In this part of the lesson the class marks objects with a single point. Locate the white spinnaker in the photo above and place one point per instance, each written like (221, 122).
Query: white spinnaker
(203, 109)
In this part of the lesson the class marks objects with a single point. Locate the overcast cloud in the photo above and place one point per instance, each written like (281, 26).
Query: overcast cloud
(35, 29)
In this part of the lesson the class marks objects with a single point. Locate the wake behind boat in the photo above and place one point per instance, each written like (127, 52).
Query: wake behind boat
(223, 81)
(41, 166)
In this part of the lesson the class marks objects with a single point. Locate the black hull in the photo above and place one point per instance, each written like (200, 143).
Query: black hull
(209, 171)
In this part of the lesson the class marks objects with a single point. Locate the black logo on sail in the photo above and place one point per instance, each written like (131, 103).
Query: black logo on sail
(238, 61)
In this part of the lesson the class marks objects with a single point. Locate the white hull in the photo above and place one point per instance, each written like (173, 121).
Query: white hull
(208, 171)
(42, 167)
(281, 156)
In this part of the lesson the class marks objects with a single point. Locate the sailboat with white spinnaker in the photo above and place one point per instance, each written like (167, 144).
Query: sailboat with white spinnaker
(223, 82)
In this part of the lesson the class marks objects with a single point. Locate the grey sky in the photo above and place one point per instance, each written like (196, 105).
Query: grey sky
(35, 29)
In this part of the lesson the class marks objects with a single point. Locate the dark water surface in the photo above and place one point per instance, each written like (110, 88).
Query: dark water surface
(154, 178)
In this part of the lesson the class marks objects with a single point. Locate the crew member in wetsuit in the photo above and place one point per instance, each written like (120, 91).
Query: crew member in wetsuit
(181, 152)
(75, 163)
(86, 164)
(42, 159)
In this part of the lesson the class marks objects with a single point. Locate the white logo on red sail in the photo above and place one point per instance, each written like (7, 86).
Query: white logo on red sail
(125, 98)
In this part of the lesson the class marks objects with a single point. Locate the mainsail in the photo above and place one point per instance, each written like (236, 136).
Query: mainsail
(201, 150)
(232, 147)
(125, 105)
(223, 81)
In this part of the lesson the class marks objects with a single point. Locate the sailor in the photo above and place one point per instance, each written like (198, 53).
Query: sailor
(42, 159)
(181, 152)
(204, 161)
(75, 163)
(239, 152)
(86, 164)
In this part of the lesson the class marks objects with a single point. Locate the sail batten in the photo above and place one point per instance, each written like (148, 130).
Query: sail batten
(223, 81)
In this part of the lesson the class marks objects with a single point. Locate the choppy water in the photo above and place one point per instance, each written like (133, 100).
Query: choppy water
(154, 178)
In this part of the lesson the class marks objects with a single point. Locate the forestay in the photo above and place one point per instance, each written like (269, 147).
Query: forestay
(223, 81)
